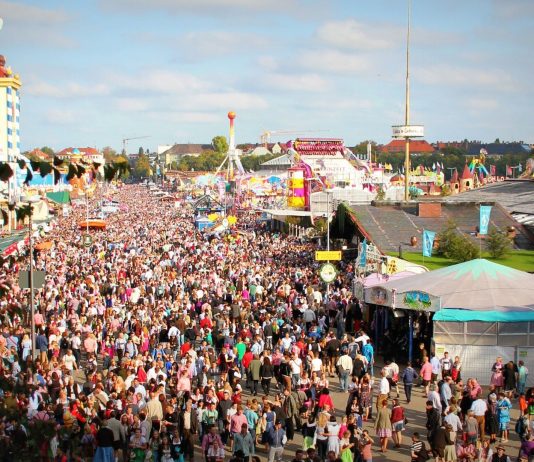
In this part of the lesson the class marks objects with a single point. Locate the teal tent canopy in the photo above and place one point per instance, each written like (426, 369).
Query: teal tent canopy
(478, 285)
(454, 315)
(59, 197)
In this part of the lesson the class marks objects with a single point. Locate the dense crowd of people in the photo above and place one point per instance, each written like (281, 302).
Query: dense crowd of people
(159, 342)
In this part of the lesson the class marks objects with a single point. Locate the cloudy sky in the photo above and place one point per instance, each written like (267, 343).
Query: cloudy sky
(96, 71)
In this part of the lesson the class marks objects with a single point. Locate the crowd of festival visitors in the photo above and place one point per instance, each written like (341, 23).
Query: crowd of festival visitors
(159, 342)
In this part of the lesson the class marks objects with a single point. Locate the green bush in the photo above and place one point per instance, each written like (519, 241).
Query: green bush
(497, 243)
(455, 246)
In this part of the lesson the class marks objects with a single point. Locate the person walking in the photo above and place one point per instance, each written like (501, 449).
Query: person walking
(344, 369)
(397, 422)
(383, 425)
(266, 374)
(244, 443)
(254, 373)
(277, 441)
(408, 378)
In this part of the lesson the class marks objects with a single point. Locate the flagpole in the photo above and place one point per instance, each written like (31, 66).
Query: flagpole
(407, 108)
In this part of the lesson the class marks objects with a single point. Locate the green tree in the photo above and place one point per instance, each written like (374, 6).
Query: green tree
(361, 147)
(48, 151)
(141, 167)
(497, 243)
(220, 144)
(456, 246)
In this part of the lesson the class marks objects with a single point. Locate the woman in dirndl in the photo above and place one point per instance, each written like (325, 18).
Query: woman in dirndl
(497, 378)
(383, 425)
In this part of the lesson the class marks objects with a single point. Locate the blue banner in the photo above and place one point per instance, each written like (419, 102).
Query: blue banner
(428, 242)
(363, 255)
(485, 211)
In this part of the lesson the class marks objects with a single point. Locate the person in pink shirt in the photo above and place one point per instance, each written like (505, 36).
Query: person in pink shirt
(90, 343)
(237, 420)
(426, 374)
(184, 381)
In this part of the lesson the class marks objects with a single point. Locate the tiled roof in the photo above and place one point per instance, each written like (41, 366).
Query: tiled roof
(415, 146)
(83, 151)
(184, 149)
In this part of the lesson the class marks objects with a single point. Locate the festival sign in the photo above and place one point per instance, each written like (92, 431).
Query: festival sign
(408, 131)
(417, 300)
(378, 296)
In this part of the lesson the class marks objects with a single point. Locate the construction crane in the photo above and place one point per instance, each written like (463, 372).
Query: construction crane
(265, 137)
(125, 141)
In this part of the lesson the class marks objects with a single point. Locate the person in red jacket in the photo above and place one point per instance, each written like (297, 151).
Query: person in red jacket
(247, 359)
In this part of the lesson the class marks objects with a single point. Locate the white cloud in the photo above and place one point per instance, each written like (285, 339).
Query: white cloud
(268, 63)
(355, 35)
(333, 61)
(185, 116)
(65, 90)
(131, 104)
(211, 7)
(225, 100)
(202, 44)
(28, 14)
(481, 104)
(159, 81)
(34, 25)
(58, 116)
(295, 82)
(447, 75)
(513, 9)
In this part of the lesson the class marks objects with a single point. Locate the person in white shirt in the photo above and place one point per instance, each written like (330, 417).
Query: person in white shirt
(433, 396)
(70, 361)
(383, 389)
(453, 420)
(364, 338)
(296, 366)
(479, 408)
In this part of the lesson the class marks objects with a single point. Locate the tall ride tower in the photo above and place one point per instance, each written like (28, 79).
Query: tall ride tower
(9, 125)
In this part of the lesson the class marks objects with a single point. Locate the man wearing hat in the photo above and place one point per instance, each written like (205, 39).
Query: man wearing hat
(500, 456)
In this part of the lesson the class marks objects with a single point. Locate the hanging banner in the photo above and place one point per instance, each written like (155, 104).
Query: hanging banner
(418, 301)
(363, 255)
(428, 242)
(485, 211)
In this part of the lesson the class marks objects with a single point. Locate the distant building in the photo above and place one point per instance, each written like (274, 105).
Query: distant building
(77, 154)
(498, 149)
(420, 147)
(176, 152)
(472, 148)
(281, 163)
(38, 154)
(162, 148)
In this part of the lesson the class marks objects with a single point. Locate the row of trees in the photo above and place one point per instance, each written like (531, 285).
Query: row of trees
(451, 157)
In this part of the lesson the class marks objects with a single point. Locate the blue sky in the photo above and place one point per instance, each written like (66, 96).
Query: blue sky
(96, 71)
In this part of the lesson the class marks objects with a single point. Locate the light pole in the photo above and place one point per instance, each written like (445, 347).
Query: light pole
(328, 191)
(407, 109)
(30, 203)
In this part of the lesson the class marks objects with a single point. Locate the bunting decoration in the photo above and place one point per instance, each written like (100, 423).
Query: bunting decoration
(44, 168)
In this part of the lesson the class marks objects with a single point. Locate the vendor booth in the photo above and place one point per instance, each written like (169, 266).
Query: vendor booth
(479, 310)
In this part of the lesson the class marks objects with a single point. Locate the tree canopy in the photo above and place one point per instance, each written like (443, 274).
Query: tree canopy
(220, 144)
(141, 168)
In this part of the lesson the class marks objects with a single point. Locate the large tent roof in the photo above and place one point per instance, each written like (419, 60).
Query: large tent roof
(478, 285)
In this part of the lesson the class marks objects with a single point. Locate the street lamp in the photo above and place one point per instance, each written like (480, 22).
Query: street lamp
(30, 201)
